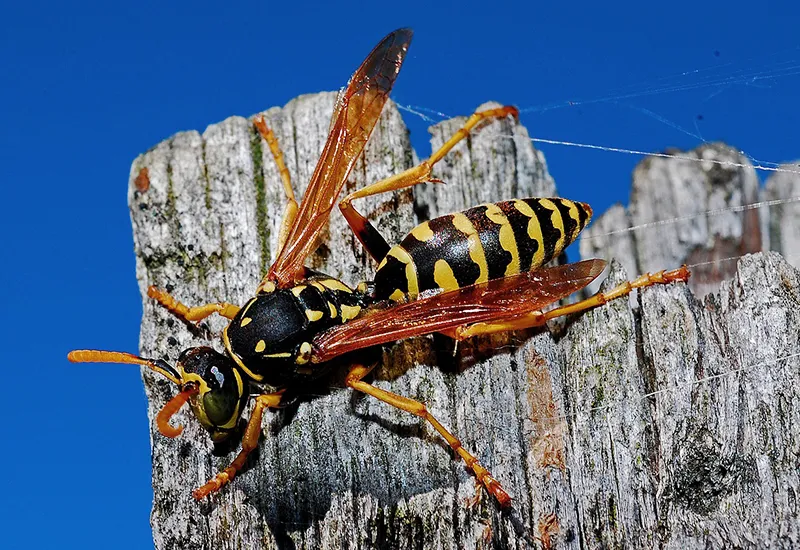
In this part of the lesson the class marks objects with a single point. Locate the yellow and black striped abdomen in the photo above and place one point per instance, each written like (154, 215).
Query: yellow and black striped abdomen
(486, 242)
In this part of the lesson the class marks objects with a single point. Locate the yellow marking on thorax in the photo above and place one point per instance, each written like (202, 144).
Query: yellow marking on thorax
(313, 315)
(305, 354)
(557, 222)
(534, 233)
(238, 360)
(261, 346)
(443, 275)
(245, 321)
(476, 252)
(280, 355)
(333, 284)
(422, 232)
(399, 253)
(507, 240)
(248, 305)
(333, 311)
(297, 290)
(266, 287)
(350, 312)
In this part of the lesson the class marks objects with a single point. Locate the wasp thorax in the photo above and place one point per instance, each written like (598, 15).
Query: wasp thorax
(221, 394)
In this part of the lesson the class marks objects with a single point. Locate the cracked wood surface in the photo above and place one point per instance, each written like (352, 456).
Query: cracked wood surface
(560, 419)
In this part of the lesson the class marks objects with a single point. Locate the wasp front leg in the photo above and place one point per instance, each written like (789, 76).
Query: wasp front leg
(370, 238)
(354, 380)
(249, 444)
(191, 314)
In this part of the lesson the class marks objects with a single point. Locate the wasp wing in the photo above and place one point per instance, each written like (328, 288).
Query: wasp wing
(354, 118)
(496, 300)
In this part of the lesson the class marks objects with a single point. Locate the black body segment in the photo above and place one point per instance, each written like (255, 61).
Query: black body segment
(486, 242)
(270, 337)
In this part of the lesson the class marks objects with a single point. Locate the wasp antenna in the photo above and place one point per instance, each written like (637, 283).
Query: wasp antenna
(98, 356)
(168, 411)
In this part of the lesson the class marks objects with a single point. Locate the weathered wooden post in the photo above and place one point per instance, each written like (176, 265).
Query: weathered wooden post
(708, 458)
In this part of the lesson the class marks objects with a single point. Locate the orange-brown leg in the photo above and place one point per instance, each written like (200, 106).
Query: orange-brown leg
(373, 242)
(249, 443)
(196, 313)
(354, 380)
(538, 318)
(290, 211)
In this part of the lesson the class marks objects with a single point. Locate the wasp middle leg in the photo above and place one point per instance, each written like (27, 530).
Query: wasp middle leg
(370, 238)
(354, 380)
(194, 313)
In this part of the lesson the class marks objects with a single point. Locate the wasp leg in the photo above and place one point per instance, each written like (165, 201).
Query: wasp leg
(290, 211)
(354, 380)
(373, 242)
(249, 443)
(538, 318)
(196, 313)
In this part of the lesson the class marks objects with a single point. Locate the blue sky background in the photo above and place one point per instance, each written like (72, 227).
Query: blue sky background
(85, 88)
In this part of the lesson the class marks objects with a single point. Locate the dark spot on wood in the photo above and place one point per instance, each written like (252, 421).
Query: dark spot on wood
(706, 475)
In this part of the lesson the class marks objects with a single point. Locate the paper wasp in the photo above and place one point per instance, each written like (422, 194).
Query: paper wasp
(466, 274)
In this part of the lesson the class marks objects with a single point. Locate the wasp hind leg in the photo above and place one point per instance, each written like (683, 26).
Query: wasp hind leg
(372, 240)
(191, 314)
(354, 380)
(249, 444)
(539, 318)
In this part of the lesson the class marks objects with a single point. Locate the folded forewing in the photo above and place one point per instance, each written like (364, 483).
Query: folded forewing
(496, 300)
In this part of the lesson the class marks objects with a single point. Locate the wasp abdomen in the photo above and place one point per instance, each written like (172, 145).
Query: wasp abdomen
(487, 242)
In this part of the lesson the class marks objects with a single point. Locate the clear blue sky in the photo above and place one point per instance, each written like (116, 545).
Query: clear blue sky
(83, 90)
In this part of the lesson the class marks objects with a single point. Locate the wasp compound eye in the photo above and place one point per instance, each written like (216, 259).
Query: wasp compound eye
(222, 399)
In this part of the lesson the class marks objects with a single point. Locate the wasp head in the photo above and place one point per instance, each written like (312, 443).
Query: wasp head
(217, 393)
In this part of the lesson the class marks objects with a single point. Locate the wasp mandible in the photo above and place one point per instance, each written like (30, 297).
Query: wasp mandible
(466, 274)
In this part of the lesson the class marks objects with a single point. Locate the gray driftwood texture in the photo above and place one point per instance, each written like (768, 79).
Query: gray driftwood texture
(701, 202)
(780, 223)
(561, 419)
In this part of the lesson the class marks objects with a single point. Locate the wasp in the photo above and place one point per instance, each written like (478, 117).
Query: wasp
(471, 273)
